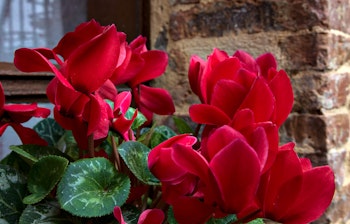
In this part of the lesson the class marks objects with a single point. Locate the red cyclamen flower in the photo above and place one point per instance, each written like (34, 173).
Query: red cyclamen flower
(210, 189)
(90, 56)
(227, 84)
(293, 192)
(15, 114)
(145, 65)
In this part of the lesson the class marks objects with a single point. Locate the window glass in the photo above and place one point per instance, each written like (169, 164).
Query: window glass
(36, 23)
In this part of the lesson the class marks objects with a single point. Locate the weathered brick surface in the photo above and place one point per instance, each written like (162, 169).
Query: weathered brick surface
(338, 15)
(213, 19)
(317, 91)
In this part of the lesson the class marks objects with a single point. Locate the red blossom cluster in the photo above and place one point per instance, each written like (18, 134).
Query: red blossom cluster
(88, 63)
(236, 166)
(240, 168)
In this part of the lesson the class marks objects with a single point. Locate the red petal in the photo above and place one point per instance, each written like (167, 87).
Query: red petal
(191, 161)
(108, 91)
(315, 196)
(285, 168)
(20, 113)
(237, 171)
(82, 34)
(191, 210)
(132, 66)
(160, 157)
(117, 212)
(265, 62)
(28, 60)
(27, 135)
(228, 96)
(260, 100)
(90, 65)
(282, 90)
(220, 138)
(195, 72)
(223, 70)
(122, 102)
(208, 114)
(157, 100)
(248, 61)
(151, 216)
(258, 140)
(242, 119)
(155, 65)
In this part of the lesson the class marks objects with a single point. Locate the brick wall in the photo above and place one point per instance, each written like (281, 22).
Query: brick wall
(311, 41)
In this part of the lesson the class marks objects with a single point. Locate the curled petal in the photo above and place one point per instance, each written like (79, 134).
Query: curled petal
(151, 216)
(220, 138)
(247, 60)
(82, 33)
(237, 188)
(20, 113)
(208, 114)
(266, 62)
(27, 135)
(155, 65)
(315, 196)
(29, 60)
(157, 100)
(94, 60)
(117, 212)
(195, 73)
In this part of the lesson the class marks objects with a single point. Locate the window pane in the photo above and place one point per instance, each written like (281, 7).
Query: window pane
(36, 23)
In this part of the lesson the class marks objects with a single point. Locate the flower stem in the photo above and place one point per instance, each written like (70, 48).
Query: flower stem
(116, 153)
(91, 146)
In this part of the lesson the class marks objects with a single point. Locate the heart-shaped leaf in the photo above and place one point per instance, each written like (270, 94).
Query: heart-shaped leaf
(12, 189)
(92, 188)
(43, 212)
(160, 134)
(182, 126)
(34, 152)
(49, 130)
(135, 155)
(43, 177)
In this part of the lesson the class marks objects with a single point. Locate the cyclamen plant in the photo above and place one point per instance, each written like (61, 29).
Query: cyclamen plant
(102, 159)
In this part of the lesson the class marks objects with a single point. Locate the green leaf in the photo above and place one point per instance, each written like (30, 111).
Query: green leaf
(12, 189)
(182, 125)
(49, 130)
(139, 120)
(47, 212)
(70, 145)
(226, 220)
(130, 214)
(135, 156)
(160, 134)
(257, 221)
(14, 160)
(34, 152)
(171, 218)
(92, 188)
(43, 177)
